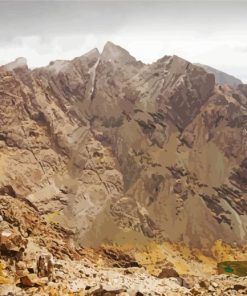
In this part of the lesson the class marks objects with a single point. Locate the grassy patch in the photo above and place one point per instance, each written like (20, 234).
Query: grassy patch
(238, 268)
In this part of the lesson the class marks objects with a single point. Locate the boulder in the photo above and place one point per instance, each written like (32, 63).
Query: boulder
(10, 241)
(21, 269)
(32, 280)
(168, 273)
(103, 292)
(178, 188)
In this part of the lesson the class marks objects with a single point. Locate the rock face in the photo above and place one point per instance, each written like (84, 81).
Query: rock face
(118, 151)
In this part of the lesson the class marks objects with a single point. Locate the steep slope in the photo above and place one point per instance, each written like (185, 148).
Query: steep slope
(222, 77)
(119, 151)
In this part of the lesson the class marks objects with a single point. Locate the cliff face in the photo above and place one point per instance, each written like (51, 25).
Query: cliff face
(116, 150)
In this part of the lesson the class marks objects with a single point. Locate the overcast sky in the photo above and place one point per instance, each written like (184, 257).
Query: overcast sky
(209, 32)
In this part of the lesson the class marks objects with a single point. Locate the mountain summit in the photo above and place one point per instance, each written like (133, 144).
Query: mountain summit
(115, 52)
(18, 63)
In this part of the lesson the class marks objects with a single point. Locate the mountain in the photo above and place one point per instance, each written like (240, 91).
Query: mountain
(117, 151)
(222, 77)
(145, 163)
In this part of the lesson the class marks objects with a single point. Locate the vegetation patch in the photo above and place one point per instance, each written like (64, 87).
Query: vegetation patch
(238, 268)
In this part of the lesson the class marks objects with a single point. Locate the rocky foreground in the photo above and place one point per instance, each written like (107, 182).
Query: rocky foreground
(81, 271)
(83, 278)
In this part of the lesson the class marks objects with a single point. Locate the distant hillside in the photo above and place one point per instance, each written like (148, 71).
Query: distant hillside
(222, 77)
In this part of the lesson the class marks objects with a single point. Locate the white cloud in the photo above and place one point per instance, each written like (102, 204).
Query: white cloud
(39, 51)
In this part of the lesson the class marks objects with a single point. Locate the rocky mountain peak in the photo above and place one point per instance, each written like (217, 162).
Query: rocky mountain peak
(92, 53)
(112, 52)
(18, 63)
(57, 65)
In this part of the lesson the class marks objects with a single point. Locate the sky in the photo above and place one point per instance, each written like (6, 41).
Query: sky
(208, 32)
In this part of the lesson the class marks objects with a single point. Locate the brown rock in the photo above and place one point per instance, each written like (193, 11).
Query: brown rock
(31, 280)
(102, 292)
(167, 273)
(195, 292)
(178, 188)
(239, 287)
